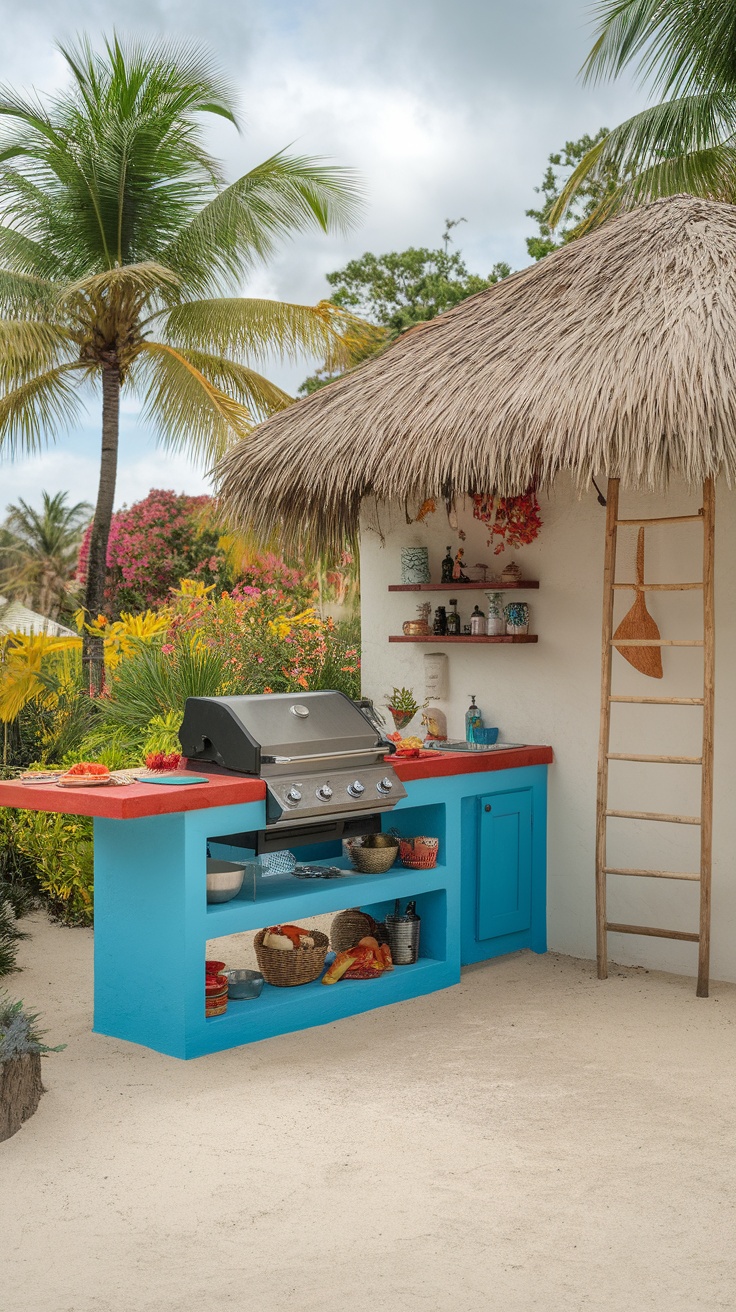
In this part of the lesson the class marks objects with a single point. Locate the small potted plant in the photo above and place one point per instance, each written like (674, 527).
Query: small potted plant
(21, 1050)
(403, 706)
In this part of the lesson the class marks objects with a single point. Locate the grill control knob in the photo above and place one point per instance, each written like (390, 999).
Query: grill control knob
(294, 796)
(385, 785)
(356, 789)
(324, 793)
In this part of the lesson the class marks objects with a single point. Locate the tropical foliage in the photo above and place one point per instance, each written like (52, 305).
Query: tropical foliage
(200, 644)
(687, 141)
(122, 252)
(154, 543)
(397, 290)
(589, 196)
(38, 553)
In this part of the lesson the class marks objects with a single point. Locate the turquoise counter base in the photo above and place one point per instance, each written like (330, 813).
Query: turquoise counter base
(152, 921)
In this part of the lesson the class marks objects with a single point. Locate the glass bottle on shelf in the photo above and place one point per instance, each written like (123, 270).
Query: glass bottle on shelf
(439, 624)
(473, 720)
(453, 619)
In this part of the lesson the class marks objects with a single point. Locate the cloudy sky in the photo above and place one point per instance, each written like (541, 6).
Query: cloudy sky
(446, 108)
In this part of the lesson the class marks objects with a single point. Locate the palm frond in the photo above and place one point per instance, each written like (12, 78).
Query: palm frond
(244, 223)
(257, 394)
(693, 128)
(32, 413)
(258, 327)
(28, 346)
(112, 168)
(188, 411)
(678, 48)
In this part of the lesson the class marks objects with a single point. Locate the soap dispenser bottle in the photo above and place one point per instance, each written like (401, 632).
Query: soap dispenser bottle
(473, 720)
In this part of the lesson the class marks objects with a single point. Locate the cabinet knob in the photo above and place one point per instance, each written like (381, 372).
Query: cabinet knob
(487, 807)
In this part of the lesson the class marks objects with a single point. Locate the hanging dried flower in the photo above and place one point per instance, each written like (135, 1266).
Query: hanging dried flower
(511, 521)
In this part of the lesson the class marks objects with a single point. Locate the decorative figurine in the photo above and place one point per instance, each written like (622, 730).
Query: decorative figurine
(435, 722)
(447, 567)
(458, 576)
(439, 626)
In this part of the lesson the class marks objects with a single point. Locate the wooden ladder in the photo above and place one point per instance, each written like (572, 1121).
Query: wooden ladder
(706, 517)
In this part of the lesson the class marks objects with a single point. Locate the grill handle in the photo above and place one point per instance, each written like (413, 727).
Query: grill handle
(378, 750)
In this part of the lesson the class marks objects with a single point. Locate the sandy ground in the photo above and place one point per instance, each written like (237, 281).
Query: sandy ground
(531, 1139)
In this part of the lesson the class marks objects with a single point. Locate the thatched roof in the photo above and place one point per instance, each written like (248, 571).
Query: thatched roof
(615, 355)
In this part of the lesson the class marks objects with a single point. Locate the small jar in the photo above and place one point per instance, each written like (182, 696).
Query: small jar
(477, 622)
(517, 618)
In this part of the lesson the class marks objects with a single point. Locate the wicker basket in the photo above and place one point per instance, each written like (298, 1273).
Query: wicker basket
(286, 969)
(349, 927)
(372, 860)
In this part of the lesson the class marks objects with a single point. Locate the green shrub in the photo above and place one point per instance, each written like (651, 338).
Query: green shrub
(18, 1032)
(59, 850)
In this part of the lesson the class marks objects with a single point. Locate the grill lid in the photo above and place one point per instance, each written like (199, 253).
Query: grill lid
(244, 733)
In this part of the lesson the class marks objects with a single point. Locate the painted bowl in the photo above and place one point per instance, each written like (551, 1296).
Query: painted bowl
(224, 880)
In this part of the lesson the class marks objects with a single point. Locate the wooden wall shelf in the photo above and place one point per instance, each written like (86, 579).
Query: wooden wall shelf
(463, 637)
(463, 587)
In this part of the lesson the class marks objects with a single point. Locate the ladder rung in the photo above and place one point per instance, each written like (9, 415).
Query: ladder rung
(653, 933)
(649, 874)
(656, 815)
(657, 642)
(665, 519)
(662, 760)
(659, 587)
(660, 701)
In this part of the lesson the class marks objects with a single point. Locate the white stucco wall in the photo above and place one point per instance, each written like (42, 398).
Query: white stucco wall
(549, 693)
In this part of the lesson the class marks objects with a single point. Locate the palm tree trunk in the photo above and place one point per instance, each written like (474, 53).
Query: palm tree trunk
(94, 597)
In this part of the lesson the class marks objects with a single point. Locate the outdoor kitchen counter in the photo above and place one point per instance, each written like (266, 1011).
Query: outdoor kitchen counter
(449, 763)
(486, 895)
(132, 801)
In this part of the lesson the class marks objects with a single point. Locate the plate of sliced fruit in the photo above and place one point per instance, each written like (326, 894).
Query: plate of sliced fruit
(85, 774)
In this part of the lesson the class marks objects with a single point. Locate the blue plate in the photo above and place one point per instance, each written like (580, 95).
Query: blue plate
(171, 779)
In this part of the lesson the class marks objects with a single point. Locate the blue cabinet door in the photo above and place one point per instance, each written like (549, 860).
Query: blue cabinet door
(504, 901)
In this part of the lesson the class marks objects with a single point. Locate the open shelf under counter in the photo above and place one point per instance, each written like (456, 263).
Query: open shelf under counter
(464, 637)
(284, 898)
(490, 586)
(280, 1011)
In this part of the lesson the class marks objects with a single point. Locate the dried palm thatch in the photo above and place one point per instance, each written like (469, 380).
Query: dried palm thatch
(614, 355)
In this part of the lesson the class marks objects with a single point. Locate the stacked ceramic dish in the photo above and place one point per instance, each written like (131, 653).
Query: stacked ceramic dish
(215, 989)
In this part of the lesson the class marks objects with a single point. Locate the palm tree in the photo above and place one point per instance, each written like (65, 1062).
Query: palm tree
(121, 254)
(39, 550)
(687, 141)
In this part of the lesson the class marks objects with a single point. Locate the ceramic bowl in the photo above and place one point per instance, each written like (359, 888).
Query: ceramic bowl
(484, 737)
(244, 984)
(224, 880)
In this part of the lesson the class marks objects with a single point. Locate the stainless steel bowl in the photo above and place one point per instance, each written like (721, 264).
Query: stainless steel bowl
(224, 880)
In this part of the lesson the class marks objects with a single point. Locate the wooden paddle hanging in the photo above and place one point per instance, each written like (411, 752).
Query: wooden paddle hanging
(638, 623)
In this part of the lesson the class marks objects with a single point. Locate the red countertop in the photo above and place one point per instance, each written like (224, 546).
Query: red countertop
(131, 801)
(444, 763)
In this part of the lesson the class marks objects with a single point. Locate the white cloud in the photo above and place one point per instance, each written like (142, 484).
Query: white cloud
(445, 110)
(58, 469)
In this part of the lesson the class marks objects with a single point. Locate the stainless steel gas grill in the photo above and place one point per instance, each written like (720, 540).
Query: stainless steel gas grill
(320, 757)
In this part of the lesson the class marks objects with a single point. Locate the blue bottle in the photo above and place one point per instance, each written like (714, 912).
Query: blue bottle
(473, 720)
